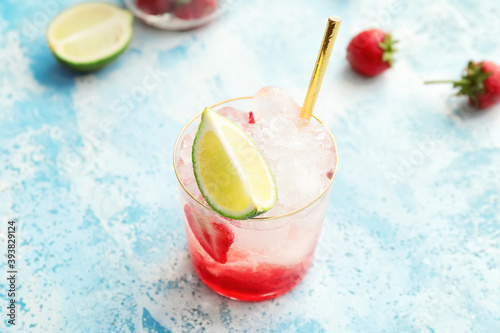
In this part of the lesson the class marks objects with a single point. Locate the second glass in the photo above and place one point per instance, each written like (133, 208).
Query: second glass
(176, 14)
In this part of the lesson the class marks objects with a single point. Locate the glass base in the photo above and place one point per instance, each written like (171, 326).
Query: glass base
(264, 282)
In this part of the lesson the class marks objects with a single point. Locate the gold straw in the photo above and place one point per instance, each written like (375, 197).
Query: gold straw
(331, 31)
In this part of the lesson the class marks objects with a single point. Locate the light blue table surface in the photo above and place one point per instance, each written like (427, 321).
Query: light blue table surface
(411, 239)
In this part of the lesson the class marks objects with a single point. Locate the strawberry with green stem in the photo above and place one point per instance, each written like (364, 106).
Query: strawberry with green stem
(481, 82)
(371, 52)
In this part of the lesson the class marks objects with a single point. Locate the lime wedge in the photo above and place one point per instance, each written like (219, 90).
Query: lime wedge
(89, 35)
(232, 175)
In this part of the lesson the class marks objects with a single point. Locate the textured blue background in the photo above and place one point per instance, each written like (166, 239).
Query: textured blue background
(411, 240)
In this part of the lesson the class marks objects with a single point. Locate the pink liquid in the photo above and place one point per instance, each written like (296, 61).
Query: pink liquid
(243, 281)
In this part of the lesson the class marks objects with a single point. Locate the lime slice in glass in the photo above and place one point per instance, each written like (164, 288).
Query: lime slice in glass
(231, 173)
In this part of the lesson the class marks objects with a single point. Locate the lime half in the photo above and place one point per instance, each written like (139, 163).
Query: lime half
(89, 35)
(232, 175)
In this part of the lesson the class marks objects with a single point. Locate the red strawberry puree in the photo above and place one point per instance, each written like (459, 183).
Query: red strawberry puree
(243, 281)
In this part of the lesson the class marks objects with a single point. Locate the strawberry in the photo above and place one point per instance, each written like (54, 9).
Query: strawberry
(481, 82)
(214, 237)
(251, 119)
(155, 7)
(194, 9)
(371, 52)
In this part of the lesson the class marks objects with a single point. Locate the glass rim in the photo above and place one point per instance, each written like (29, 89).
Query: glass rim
(257, 218)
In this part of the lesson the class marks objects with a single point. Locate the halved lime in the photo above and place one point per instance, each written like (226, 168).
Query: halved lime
(89, 35)
(232, 175)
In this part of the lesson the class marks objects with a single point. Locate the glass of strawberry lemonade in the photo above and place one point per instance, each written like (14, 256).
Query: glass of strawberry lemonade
(262, 252)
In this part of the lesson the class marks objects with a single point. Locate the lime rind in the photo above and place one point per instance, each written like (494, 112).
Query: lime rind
(91, 66)
(122, 17)
(256, 207)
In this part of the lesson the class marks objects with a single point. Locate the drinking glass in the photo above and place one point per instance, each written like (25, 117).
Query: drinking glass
(270, 255)
(177, 14)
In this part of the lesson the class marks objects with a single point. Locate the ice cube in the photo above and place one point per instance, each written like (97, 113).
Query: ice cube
(275, 101)
(186, 147)
(236, 116)
(324, 149)
(268, 143)
(309, 181)
(286, 180)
